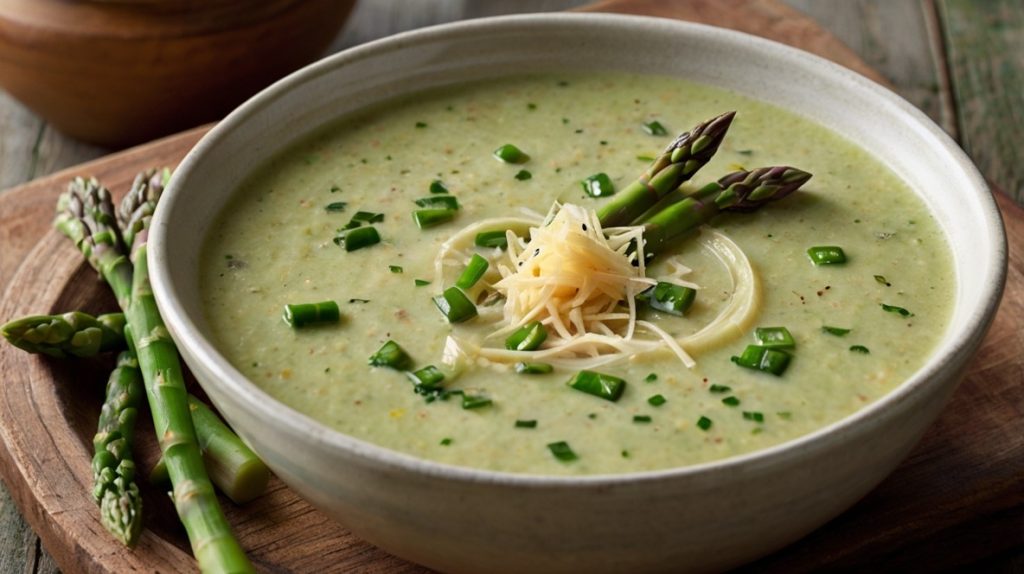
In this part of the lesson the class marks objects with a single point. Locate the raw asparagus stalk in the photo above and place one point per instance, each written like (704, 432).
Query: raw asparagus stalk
(737, 191)
(74, 334)
(678, 163)
(113, 469)
(232, 465)
(138, 205)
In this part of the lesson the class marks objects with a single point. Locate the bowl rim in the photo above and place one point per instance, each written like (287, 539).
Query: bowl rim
(255, 401)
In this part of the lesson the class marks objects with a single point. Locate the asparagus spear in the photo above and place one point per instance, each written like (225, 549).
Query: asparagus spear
(113, 469)
(737, 191)
(678, 163)
(137, 206)
(74, 334)
(233, 467)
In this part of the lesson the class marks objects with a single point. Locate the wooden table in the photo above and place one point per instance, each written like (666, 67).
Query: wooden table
(961, 61)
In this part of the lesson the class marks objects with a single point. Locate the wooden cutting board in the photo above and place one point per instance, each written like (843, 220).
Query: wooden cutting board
(957, 500)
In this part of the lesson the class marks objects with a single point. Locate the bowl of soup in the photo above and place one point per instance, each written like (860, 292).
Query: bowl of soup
(393, 274)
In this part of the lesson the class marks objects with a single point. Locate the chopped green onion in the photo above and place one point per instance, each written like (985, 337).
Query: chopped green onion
(651, 377)
(492, 239)
(645, 157)
(719, 389)
(625, 453)
(533, 368)
(763, 359)
(474, 270)
(562, 451)
(895, 309)
(527, 338)
(656, 400)
(509, 153)
(455, 306)
(439, 202)
(421, 282)
(641, 419)
(731, 401)
(837, 331)
(774, 337)
(446, 441)
(669, 298)
(429, 377)
(474, 402)
(598, 185)
(600, 385)
(881, 279)
(336, 206)
(753, 416)
(391, 355)
(358, 238)
(395, 268)
(860, 349)
(368, 217)
(704, 423)
(826, 255)
(437, 186)
(427, 218)
(523, 175)
(530, 424)
(421, 124)
(299, 315)
(655, 128)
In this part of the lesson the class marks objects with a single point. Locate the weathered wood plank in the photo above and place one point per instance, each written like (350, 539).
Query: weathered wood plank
(20, 129)
(985, 46)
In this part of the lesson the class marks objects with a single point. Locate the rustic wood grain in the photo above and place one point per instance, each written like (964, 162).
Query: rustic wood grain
(985, 43)
(954, 502)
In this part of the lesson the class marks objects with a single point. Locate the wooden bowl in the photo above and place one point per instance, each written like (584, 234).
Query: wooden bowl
(121, 72)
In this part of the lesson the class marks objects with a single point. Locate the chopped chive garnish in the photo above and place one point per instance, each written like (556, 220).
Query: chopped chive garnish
(704, 423)
(421, 282)
(533, 368)
(826, 255)
(745, 151)
(335, 189)
(391, 355)
(336, 206)
(860, 349)
(774, 337)
(446, 441)
(731, 401)
(598, 185)
(600, 385)
(837, 331)
(475, 402)
(763, 359)
(669, 298)
(655, 128)
(427, 218)
(356, 300)
(881, 279)
(492, 239)
(439, 202)
(641, 419)
(299, 315)
(368, 217)
(719, 389)
(421, 124)
(656, 400)
(895, 309)
(645, 157)
(474, 270)
(437, 186)
(562, 451)
(530, 424)
(527, 338)
(523, 175)
(455, 306)
(429, 377)
(651, 377)
(592, 416)
(531, 106)
(395, 268)
(357, 238)
(625, 453)
(509, 153)
(753, 416)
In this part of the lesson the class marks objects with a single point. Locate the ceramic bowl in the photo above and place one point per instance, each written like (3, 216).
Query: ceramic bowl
(705, 517)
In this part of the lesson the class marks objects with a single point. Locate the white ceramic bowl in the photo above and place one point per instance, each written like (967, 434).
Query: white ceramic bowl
(705, 517)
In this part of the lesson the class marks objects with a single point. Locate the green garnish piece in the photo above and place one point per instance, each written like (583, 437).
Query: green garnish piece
(492, 239)
(533, 368)
(474, 270)
(669, 298)
(704, 423)
(523, 424)
(475, 401)
(881, 279)
(368, 217)
(837, 331)
(719, 389)
(763, 359)
(357, 238)
(437, 186)
(509, 153)
(625, 453)
(655, 128)
(299, 315)
(427, 218)
(455, 306)
(826, 255)
(895, 309)
(391, 355)
(421, 282)
(421, 125)
(647, 158)
(395, 268)
(656, 400)
(446, 441)
(774, 337)
(784, 415)
(562, 451)
(428, 378)
(527, 338)
(600, 385)
(651, 377)
(523, 175)
(335, 207)
(439, 202)
(860, 349)
(598, 185)
(753, 416)
(731, 401)
(641, 419)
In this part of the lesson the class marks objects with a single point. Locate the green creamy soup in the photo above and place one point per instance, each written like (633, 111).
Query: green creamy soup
(274, 245)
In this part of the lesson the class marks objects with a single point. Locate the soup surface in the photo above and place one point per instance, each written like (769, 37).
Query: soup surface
(274, 245)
